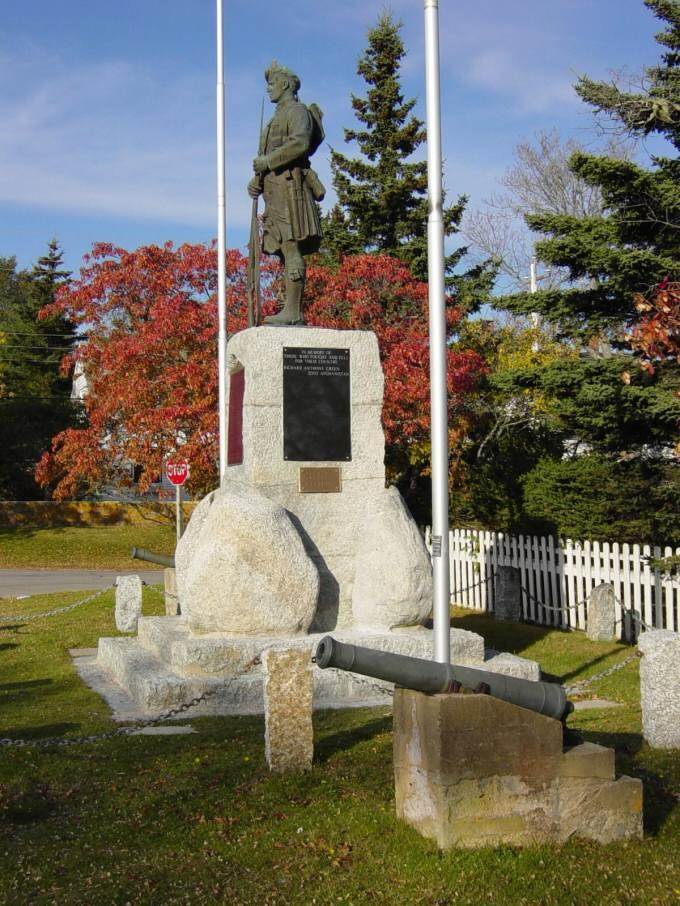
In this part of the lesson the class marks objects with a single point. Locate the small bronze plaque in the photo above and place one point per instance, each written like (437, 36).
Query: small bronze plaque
(322, 480)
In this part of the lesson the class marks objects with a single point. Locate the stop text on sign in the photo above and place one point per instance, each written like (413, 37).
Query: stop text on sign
(177, 471)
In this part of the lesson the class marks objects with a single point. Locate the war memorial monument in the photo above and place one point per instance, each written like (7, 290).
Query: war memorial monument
(303, 539)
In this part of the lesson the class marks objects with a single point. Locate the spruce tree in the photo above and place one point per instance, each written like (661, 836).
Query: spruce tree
(635, 244)
(34, 396)
(604, 403)
(55, 334)
(632, 247)
(382, 194)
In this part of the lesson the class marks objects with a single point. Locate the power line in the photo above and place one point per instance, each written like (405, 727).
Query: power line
(46, 348)
(80, 338)
(61, 399)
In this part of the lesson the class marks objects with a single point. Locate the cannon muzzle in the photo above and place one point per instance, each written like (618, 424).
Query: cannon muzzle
(428, 676)
(139, 553)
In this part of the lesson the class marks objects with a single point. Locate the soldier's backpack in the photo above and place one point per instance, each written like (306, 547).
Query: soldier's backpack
(318, 134)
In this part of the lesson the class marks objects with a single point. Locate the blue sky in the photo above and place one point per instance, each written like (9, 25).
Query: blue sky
(107, 110)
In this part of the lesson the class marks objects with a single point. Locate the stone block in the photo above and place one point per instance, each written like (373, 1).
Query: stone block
(448, 737)
(601, 614)
(588, 760)
(289, 735)
(171, 597)
(259, 352)
(507, 602)
(393, 576)
(601, 810)
(660, 687)
(245, 570)
(128, 603)
(511, 665)
(471, 770)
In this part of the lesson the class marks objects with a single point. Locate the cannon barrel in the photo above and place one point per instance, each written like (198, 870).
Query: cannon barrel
(139, 553)
(428, 676)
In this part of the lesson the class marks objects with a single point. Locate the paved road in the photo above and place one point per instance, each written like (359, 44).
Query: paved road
(17, 582)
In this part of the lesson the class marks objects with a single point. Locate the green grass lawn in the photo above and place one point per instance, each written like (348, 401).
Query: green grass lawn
(97, 547)
(199, 819)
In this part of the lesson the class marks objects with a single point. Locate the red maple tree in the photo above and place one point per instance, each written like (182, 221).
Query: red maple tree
(150, 318)
(379, 293)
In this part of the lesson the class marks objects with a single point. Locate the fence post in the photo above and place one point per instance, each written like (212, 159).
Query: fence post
(601, 614)
(507, 603)
(128, 603)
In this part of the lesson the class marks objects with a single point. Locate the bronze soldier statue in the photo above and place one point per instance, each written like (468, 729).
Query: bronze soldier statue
(291, 189)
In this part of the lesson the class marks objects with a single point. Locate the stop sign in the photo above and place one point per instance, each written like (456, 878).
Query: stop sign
(177, 471)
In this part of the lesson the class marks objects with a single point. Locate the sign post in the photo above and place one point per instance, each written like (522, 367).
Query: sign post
(178, 472)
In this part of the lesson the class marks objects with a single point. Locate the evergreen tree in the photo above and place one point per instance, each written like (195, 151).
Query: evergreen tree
(382, 195)
(34, 396)
(635, 243)
(607, 401)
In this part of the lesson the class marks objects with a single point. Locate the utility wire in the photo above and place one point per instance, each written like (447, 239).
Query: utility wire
(20, 346)
(79, 338)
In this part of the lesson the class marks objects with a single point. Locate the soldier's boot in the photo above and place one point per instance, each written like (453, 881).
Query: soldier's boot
(290, 314)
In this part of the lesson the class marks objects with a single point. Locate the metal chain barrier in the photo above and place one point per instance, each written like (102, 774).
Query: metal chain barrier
(61, 741)
(575, 688)
(561, 609)
(458, 591)
(635, 616)
(376, 687)
(584, 601)
(29, 617)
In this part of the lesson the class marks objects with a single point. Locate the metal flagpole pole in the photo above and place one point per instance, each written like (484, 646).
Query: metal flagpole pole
(438, 389)
(221, 244)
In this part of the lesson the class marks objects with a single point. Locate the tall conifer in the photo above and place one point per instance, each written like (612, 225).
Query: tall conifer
(382, 194)
(604, 403)
(35, 399)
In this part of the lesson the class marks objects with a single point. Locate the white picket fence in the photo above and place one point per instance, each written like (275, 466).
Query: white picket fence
(557, 577)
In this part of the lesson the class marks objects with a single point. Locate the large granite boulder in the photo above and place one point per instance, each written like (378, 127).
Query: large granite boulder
(242, 567)
(392, 574)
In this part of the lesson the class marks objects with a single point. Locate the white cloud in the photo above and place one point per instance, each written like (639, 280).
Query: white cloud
(531, 89)
(525, 59)
(115, 139)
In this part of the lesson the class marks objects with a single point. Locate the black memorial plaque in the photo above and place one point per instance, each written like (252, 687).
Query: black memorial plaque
(316, 405)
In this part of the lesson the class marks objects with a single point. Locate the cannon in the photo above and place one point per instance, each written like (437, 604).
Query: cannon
(139, 553)
(417, 673)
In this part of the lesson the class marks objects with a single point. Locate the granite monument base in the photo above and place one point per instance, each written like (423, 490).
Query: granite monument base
(167, 665)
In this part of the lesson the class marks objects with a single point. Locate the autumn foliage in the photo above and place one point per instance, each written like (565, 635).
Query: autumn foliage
(379, 293)
(656, 336)
(150, 357)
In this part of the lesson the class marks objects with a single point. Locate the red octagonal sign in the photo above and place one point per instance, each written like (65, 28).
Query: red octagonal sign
(177, 471)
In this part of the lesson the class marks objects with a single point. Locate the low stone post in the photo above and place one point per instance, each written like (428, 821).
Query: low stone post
(171, 599)
(660, 687)
(507, 601)
(288, 689)
(128, 603)
(601, 614)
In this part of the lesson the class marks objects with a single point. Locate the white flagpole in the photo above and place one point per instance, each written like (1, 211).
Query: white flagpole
(437, 327)
(221, 244)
